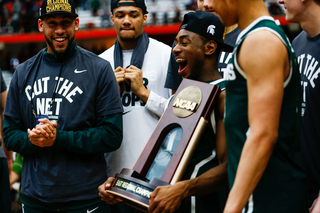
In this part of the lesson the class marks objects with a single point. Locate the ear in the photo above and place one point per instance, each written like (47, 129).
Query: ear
(40, 25)
(112, 19)
(210, 47)
(76, 22)
(144, 19)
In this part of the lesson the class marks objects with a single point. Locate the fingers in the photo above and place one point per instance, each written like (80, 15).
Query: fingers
(109, 182)
(46, 127)
(152, 204)
(45, 130)
(105, 196)
(132, 67)
(42, 141)
(136, 79)
(153, 195)
(33, 133)
(133, 72)
(102, 191)
(127, 74)
(119, 73)
(37, 137)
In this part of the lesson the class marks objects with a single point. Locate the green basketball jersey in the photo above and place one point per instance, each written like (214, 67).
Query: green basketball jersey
(282, 186)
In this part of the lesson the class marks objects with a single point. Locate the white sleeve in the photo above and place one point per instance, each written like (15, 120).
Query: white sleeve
(156, 103)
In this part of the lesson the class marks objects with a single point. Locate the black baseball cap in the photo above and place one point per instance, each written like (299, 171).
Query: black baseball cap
(51, 7)
(207, 25)
(136, 3)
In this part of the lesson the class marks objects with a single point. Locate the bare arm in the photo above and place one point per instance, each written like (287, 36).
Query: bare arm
(14, 177)
(315, 206)
(2, 105)
(265, 78)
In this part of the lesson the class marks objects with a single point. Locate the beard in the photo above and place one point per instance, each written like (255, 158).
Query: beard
(59, 52)
(126, 39)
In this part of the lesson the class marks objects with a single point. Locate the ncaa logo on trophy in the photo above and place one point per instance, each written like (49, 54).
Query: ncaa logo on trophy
(165, 157)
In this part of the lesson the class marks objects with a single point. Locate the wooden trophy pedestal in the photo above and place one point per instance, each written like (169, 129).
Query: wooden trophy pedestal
(170, 147)
(134, 190)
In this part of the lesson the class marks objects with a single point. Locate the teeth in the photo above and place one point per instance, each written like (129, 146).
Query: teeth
(60, 39)
(179, 60)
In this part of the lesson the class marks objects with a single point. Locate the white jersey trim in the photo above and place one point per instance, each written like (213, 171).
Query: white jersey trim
(194, 175)
(250, 206)
(252, 24)
(215, 82)
(242, 73)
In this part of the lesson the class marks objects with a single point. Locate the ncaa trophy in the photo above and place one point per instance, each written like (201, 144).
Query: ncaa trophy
(169, 149)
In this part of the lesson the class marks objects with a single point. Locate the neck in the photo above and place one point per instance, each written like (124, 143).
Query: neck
(61, 57)
(128, 45)
(311, 20)
(210, 77)
(254, 9)
(209, 71)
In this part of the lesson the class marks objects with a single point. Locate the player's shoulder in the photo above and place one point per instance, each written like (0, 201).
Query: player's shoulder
(262, 41)
(262, 49)
(107, 54)
(153, 43)
(92, 61)
(26, 65)
(90, 57)
(302, 36)
(86, 53)
(159, 51)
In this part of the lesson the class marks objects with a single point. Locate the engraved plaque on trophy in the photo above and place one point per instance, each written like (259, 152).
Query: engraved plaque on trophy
(170, 147)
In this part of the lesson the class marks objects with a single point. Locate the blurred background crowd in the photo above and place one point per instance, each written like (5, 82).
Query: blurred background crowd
(21, 16)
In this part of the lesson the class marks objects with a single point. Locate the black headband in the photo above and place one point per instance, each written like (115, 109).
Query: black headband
(136, 3)
(123, 4)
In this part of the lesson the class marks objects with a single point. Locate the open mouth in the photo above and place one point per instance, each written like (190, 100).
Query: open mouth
(182, 64)
(60, 39)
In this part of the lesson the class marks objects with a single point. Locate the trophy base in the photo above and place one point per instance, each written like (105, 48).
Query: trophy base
(133, 190)
(130, 201)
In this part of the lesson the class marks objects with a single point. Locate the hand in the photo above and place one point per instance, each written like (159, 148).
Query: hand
(44, 134)
(167, 198)
(134, 75)
(105, 196)
(119, 73)
(39, 139)
(46, 127)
